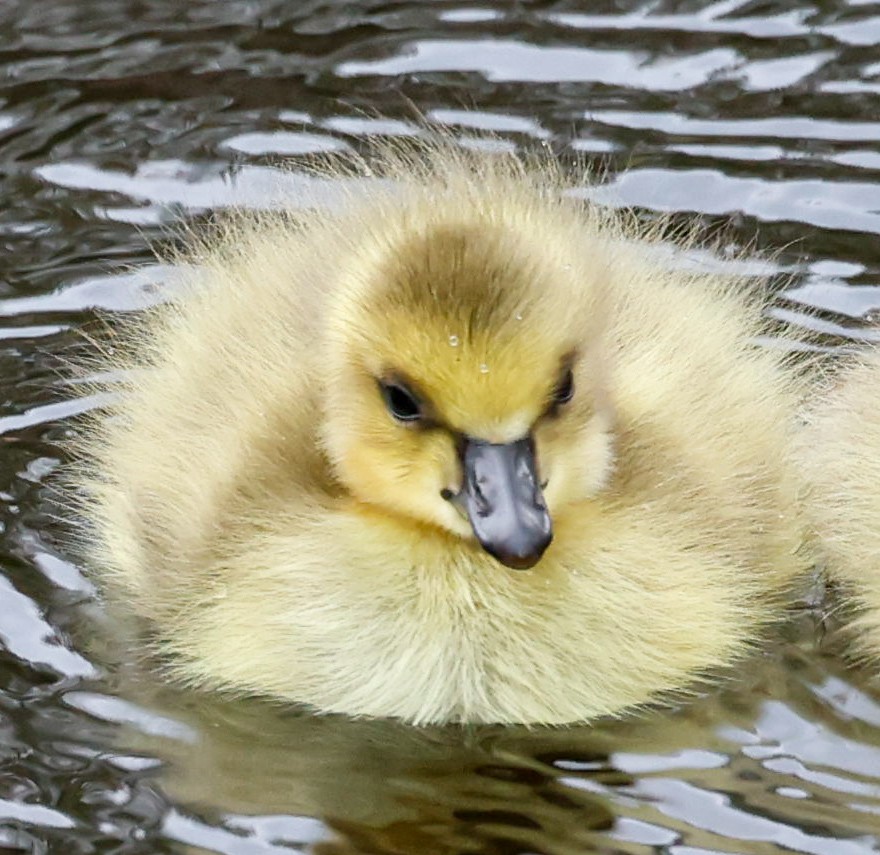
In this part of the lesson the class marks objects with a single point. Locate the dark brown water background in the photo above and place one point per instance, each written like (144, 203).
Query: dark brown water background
(119, 118)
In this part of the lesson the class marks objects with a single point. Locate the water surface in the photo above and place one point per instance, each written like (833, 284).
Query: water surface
(759, 120)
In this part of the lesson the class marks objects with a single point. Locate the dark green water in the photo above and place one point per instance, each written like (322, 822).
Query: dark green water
(118, 118)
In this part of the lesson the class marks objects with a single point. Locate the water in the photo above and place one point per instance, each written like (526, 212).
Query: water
(759, 120)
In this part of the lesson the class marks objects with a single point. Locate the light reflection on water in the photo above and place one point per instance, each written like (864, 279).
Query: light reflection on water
(117, 119)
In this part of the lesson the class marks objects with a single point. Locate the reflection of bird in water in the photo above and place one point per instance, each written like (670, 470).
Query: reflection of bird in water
(330, 449)
(376, 785)
(381, 787)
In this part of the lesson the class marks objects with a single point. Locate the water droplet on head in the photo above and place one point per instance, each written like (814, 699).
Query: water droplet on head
(484, 369)
(453, 341)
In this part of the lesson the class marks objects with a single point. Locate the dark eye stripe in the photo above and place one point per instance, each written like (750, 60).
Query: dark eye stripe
(401, 402)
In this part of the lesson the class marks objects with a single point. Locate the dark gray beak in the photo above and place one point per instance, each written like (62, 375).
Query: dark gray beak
(504, 502)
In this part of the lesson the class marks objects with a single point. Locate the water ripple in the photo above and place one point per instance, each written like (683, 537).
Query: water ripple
(757, 119)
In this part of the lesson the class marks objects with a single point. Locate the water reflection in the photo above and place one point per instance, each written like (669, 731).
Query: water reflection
(739, 766)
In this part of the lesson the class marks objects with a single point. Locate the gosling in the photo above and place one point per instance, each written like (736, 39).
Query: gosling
(462, 449)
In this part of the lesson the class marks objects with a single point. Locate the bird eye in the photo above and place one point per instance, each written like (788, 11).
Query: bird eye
(401, 403)
(564, 392)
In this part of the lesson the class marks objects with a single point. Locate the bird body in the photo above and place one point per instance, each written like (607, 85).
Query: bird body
(331, 444)
(840, 455)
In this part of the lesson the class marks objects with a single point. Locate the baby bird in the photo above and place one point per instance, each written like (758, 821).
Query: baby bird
(840, 455)
(462, 449)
